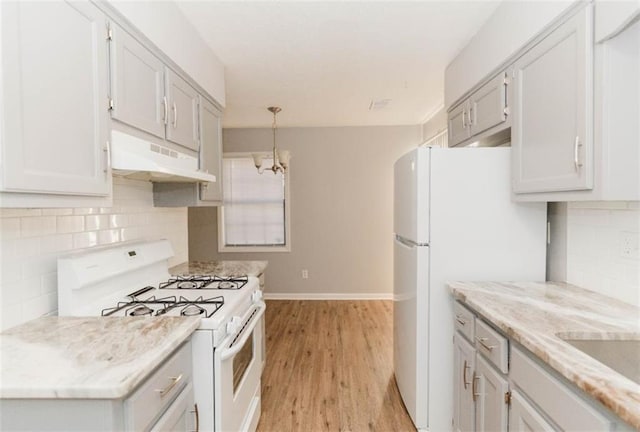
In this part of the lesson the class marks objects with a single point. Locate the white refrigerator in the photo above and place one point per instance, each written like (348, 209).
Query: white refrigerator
(453, 220)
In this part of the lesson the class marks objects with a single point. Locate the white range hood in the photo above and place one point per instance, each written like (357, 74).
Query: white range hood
(138, 159)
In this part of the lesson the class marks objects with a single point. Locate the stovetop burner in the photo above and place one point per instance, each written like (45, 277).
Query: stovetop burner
(205, 282)
(139, 310)
(192, 310)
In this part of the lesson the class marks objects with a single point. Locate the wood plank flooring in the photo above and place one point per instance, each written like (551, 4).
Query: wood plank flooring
(330, 368)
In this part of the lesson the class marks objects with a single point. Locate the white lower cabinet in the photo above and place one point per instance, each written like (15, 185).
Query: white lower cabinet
(491, 392)
(499, 386)
(182, 414)
(163, 402)
(560, 404)
(480, 390)
(463, 403)
(524, 418)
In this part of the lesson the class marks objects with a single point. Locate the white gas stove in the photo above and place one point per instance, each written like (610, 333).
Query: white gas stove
(133, 280)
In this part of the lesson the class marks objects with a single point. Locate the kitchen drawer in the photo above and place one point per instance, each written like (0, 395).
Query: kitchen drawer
(492, 345)
(464, 321)
(159, 390)
(555, 399)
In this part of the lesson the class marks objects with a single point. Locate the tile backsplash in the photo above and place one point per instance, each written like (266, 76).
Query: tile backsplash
(602, 248)
(31, 240)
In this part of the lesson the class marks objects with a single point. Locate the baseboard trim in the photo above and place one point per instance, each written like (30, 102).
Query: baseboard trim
(328, 296)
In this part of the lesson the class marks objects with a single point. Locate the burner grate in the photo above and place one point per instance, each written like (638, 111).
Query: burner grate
(205, 282)
(153, 306)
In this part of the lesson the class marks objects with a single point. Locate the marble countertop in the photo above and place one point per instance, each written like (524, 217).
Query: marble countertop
(220, 268)
(534, 314)
(89, 358)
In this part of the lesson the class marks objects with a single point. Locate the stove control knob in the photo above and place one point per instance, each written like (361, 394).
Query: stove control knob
(257, 296)
(233, 326)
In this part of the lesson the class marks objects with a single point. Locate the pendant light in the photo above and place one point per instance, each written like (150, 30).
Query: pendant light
(280, 157)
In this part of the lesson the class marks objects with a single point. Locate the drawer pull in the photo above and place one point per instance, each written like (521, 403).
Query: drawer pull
(460, 320)
(483, 341)
(174, 381)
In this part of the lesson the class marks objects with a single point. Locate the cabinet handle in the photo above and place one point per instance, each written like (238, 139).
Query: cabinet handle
(175, 116)
(197, 415)
(165, 110)
(464, 124)
(505, 89)
(474, 394)
(482, 341)
(576, 153)
(471, 115)
(174, 381)
(460, 320)
(464, 374)
(107, 151)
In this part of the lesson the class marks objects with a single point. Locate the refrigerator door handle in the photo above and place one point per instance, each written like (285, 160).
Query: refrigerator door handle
(409, 243)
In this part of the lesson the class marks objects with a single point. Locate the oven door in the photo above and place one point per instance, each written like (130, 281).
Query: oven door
(238, 368)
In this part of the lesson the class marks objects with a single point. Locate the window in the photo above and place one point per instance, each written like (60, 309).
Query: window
(255, 212)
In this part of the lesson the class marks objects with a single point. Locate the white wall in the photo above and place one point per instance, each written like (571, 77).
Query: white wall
(510, 27)
(31, 240)
(167, 27)
(595, 232)
(436, 123)
(341, 210)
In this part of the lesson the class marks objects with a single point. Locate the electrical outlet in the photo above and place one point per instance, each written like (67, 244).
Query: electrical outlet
(629, 247)
(305, 274)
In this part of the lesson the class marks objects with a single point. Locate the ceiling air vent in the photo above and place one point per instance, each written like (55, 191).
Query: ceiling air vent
(379, 104)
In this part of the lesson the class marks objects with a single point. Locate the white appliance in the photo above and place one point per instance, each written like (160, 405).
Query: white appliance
(139, 159)
(133, 280)
(453, 220)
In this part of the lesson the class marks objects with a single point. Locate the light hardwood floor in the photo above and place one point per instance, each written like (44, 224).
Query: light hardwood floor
(330, 368)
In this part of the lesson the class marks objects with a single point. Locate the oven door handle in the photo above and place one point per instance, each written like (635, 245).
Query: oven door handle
(246, 333)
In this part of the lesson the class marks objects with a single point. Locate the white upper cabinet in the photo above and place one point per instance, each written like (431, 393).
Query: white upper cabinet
(552, 131)
(482, 114)
(182, 124)
(149, 96)
(458, 124)
(211, 150)
(54, 99)
(488, 106)
(137, 84)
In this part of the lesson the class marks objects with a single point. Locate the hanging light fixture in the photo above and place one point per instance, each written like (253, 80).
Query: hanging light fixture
(280, 157)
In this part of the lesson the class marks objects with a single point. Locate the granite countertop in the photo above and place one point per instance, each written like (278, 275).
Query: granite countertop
(220, 268)
(89, 358)
(534, 314)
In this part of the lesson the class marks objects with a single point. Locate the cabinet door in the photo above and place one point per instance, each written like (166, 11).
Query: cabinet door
(181, 415)
(137, 84)
(55, 110)
(488, 105)
(459, 129)
(552, 131)
(524, 418)
(182, 127)
(210, 150)
(463, 367)
(490, 389)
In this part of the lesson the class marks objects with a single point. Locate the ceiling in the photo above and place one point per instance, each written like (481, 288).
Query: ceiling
(324, 62)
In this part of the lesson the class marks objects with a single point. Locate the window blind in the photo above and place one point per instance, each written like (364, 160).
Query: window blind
(254, 204)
